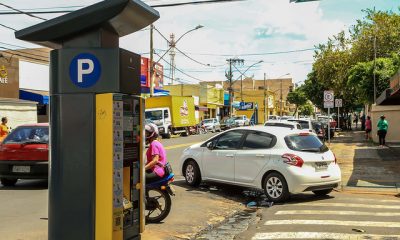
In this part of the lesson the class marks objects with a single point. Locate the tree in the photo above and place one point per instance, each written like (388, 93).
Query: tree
(306, 109)
(298, 98)
(361, 78)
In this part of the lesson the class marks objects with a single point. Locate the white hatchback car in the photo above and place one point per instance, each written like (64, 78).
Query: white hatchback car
(279, 123)
(279, 160)
(241, 120)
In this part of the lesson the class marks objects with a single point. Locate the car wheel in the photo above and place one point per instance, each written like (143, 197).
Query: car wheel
(276, 188)
(167, 135)
(7, 182)
(192, 174)
(322, 192)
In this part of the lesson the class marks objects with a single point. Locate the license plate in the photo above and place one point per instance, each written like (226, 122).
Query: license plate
(21, 169)
(321, 166)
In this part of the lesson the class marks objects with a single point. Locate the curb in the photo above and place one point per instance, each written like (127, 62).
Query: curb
(366, 190)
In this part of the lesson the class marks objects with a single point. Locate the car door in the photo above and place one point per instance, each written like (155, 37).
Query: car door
(219, 159)
(253, 156)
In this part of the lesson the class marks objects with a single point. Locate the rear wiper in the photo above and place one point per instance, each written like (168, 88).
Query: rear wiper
(310, 149)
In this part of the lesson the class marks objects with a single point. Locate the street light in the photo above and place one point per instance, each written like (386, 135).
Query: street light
(172, 45)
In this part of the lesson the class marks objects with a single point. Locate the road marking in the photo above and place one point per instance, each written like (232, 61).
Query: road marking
(334, 222)
(369, 200)
(180, 145)
(355, 205)
(320, 235)
(353, 213)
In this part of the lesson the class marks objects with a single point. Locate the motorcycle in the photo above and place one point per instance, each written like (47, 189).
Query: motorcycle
(158, 199)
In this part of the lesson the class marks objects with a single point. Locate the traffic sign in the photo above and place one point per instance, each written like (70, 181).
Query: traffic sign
(329, 99)
(338, 102)
(84, 70)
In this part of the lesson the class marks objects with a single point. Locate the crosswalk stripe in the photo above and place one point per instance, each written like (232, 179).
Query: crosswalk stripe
(371, 200)
(353, 213)
(354, 205)
(334, 222)
(320, 235)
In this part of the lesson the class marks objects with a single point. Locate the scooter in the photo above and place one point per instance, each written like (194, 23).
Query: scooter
(158, 200)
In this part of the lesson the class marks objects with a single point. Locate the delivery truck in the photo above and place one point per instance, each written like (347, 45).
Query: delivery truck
(171, 114)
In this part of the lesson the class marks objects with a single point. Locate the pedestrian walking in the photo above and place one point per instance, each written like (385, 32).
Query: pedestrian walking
(356, 120)
(363, 119)
(3, 128)
(368, 128)
(382, 130)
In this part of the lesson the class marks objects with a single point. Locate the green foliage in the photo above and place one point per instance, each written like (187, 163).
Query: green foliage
(344, 63)
(297, 97)
(306, 109)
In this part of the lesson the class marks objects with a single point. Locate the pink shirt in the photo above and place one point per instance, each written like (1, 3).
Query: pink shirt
(368, 124)
(156, 148)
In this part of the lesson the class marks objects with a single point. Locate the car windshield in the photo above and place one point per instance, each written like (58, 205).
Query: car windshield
(303, 124)
(305, 143)
(239, 118)
(27, 135)
(279, 125)
(154, 115)
(208, 121)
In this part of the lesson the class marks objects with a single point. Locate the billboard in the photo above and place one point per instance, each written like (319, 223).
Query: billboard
(145, 74)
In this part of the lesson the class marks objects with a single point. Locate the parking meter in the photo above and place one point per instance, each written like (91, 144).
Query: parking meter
(96, 121)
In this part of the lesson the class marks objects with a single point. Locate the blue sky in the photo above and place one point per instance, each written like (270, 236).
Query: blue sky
(230, 30)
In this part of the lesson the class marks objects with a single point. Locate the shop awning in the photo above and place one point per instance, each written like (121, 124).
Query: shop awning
(201, 108)
(40, 97)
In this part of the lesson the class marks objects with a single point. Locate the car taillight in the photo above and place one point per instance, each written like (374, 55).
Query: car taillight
(292, 159)
(304, 133)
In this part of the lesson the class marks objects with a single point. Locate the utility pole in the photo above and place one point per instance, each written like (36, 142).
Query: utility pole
(229, 75)
(151, 62)
(281, 100)
(265, 98)
(241, 87)
(172, 45)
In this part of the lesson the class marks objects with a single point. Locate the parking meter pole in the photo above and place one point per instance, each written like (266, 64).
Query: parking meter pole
(92, 83)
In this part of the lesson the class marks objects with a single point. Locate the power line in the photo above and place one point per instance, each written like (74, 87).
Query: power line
(13, 45)
(35, 55)
(30, 13)
(22, 12)
(180, 70)
(8, 27)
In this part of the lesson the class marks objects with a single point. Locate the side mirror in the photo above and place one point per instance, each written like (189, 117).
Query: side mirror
(209, 145)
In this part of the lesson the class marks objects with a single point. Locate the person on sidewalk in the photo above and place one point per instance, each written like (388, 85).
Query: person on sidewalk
(356, 120)
(382, 130)
(368, 128)
(3, 129)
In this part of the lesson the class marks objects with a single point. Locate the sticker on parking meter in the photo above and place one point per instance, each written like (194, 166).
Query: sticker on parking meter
(84, 70)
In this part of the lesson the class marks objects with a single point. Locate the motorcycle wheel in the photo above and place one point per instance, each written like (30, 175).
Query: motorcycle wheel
(157, 211)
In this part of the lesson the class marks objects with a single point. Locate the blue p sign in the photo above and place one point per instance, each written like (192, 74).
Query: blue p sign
(84, 70)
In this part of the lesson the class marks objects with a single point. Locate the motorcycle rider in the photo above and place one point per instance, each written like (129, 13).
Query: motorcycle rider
(156, 155)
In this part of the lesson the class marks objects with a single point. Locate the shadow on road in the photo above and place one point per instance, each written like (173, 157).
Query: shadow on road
(27, 185)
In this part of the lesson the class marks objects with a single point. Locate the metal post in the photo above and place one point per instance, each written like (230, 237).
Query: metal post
(338, 119)
(151, 62)
(329, 126)
(265, 100)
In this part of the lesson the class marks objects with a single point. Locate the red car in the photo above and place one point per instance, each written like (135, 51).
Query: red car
(24, 154)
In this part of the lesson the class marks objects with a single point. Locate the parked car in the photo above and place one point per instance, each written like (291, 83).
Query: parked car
(319, 129)
(227, 123)
(327, 119)
(24, 154)
(286, 124)
(273, 117)
(278, 160)
(284, 118)
(212, 124)
(305, 123)
(242, 120)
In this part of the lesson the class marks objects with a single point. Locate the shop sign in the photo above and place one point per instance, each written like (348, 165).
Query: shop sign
(3, 75)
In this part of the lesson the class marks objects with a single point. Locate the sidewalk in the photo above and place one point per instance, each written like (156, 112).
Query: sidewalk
(366, 167)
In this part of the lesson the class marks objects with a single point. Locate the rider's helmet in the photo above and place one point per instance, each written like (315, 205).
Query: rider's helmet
(151, 131)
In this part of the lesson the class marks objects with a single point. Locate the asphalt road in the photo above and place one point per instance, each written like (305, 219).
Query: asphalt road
(23, 208)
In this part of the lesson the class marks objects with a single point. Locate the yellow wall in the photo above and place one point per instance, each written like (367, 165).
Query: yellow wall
(256, 96)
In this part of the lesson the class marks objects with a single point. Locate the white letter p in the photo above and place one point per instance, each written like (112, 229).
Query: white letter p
(82, 71)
